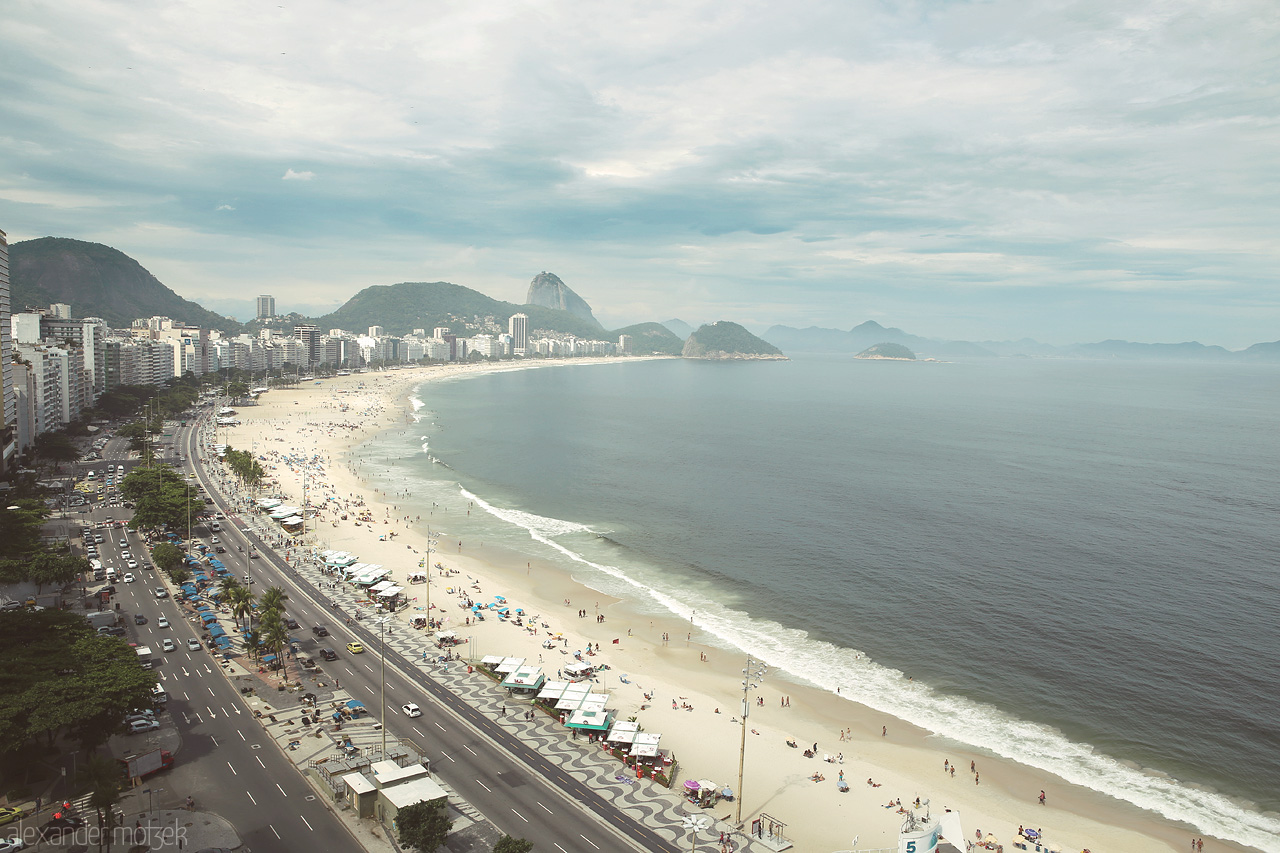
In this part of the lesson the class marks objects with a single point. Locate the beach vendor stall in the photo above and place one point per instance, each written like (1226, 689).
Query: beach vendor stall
(417, 577)
(524, 680)
(578, 670)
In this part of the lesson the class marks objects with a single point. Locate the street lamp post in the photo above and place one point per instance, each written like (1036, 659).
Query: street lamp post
(754, 670)
(382, 650)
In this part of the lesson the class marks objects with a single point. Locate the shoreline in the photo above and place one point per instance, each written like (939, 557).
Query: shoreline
(906, 761)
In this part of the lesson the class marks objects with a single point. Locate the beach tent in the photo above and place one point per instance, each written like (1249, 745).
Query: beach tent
(391, 592)
(623, 731)
(645, 745)
(509, 665)
(371, 576)
(578, 670)
(381, 585)
(525, 679)
(592, 719)
(206, 618)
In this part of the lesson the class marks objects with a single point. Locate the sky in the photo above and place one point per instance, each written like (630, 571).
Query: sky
(1065, 171)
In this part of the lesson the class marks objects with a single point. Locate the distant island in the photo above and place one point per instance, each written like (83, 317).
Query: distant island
(726, 340)
(887, 351)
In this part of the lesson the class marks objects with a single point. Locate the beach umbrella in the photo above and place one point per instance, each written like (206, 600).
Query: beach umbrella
(990, 840)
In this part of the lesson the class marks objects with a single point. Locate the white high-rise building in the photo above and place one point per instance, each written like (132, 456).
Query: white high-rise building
(266, 307)
(375, 331)
(60, 310)
(518, 328)
(8, 400)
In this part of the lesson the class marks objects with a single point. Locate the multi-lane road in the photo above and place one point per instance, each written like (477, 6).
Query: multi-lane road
(520, 791)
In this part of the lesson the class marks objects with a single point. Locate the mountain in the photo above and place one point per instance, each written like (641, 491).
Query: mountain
(548, 291)
(723, 340)
(870, 333)
(401, 308)
(1127, 349)
(651, 339)
(896, 352)
(1263, 352)
(679, 328)
(98, 281)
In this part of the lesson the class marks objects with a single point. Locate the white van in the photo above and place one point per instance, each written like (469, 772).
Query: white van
(96, 565)
(111, 575)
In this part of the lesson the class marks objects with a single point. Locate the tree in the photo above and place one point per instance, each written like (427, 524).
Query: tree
(20, 523)
(236, 390)
(512, 845)
(56, 447)
(160, 496)
(102, 775)
(167, 556)
(424, 825)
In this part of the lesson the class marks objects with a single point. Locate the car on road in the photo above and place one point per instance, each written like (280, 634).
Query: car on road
(214, 539)
(218, 549)
(9, 814)
(139, 619)
(328, 654)
(131, 563)
(161, 592)
(291, 623)
(162, 622)
(128, 577)
(355, 648)
(124, 543)
(253, 555)
(140, 726)
(109, 589)
(320, 630)
(411, 710)
(53, 830)
(193, 644)
(10, 845)
(168, 645)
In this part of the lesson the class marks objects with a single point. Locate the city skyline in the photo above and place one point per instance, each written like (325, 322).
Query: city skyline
(973, 172)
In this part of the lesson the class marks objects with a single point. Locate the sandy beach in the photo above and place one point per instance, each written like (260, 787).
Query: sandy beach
(694, 684)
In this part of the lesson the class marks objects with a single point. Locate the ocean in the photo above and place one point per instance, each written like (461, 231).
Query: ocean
(1072, 564)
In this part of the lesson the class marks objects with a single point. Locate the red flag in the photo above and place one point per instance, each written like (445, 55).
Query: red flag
(615, 642)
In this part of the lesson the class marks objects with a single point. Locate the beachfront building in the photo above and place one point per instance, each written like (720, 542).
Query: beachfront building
(518, 328)
(134, 361)
(266, 307)
(308, 337)
(624, 344)
(8, 402)
(486, 345)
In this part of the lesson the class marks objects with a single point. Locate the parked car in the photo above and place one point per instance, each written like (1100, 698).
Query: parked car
(140, 726)
(193, 644)
(11, 845)
(111, 630)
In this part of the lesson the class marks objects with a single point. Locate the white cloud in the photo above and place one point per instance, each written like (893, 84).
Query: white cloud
(224, 207)
(291, 175)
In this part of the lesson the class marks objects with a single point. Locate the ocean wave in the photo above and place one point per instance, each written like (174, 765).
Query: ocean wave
(849, 674)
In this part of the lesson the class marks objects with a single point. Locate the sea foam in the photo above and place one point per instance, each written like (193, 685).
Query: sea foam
(859, 679)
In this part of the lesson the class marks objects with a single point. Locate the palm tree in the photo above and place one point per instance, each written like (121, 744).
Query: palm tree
(242, 604)
(275, 637)
(273, 598)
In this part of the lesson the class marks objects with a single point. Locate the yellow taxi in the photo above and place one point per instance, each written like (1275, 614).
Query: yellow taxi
(355, 648)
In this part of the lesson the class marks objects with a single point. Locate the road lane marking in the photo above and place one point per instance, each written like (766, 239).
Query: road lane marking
(588, 840)
(415, 728)
(367, 687)
(558, 847)
(450, 757)
(438, 726)
(211, 693)
(212, 715)
(483, 785)
(545, 809)
(233, 770)
(224, 711)
(214, 739)
(273, 831)
(259, 760)
(470, 750)
(517, 814)
(281, 790)
(250, 796)
(309, 826)
(242, 736)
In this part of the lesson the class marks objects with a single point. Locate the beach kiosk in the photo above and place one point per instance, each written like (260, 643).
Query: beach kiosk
(578, 670)
(524, 680)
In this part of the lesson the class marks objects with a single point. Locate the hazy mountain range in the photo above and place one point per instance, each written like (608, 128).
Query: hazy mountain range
(99, 281)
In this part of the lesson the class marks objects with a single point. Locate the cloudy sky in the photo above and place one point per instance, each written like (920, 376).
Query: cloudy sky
(1069, 171)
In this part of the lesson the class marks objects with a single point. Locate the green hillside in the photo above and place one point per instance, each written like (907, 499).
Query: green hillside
(97, 281)
(401, 308)
(887, 350)
(724, 339)
(650, 339)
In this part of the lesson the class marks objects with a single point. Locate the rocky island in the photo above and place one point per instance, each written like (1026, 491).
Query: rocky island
(726, 340)
(887, 351)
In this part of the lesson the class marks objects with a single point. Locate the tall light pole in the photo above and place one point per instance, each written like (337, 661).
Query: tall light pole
(382, 649)
(755, 671)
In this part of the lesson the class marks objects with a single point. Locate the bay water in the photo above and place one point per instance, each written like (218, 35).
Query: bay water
(1073, 564)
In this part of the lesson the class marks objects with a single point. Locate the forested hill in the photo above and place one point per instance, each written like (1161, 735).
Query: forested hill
(97, 281)
(401, 308)
(724, 339)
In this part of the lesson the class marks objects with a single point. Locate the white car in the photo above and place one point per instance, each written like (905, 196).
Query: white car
(193, 644)
(11, 845)
(132, 563)
(128, 577)
(168, 645)
(162, 622)
(140, 726)
(214, 539)
(411, 710)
